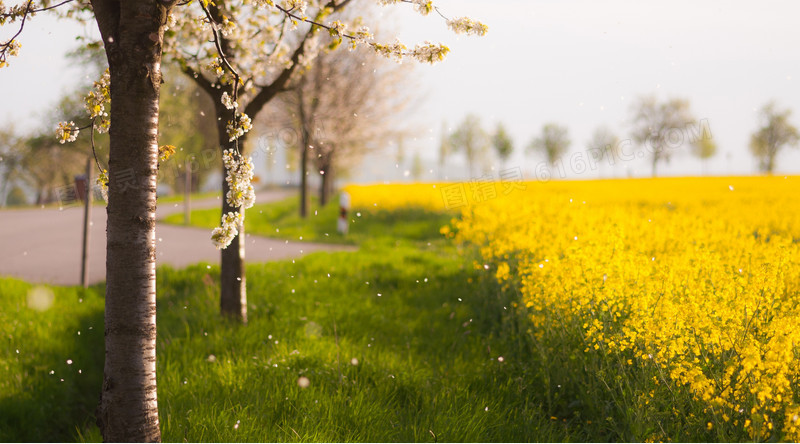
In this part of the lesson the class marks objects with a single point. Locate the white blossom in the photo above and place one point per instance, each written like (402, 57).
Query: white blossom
(227, 28)
(236, 130)
(171, 22)
(102, 182)
(465, 25)
(223, 236)
(424, 7)
(215, 66)
(430, 52)
(337, 28)
(228, 101)
(393, 51)
(67, 132)
(298, 6)
(239, 176)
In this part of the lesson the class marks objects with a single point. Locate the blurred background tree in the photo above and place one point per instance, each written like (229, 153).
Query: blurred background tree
(342, 106)
(502, 144)
(654, 122)
(774, 133)
(187, 122)
(704, 148)
(471, 139)
(553, 142)
(603, 146)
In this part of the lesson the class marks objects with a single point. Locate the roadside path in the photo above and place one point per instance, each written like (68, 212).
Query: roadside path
(43, 245)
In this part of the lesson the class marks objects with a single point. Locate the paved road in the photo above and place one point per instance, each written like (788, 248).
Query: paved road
(44, 245)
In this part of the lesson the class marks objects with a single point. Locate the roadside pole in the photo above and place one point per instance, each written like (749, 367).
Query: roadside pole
(87, 218)
(187, 192)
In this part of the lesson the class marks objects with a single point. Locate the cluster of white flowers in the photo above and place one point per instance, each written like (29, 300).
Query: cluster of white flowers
(66, 132)
(430, 52)
(227, 28)
(102, 182)
(215, 66)
(298, 6)
(465, 25)
(97, 100)
(223, 235)
(239, 175)
(227, 100)
(12, 14)
(427, 52)
(391, 50)
(171, 22)
(264, 3)
(237, 129)
(424, 7)
(337, 28)
(11, 48)
(361, 36)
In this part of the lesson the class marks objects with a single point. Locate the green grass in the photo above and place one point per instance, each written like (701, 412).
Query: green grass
(281, 220)
(178, 197)
(399, 341)
(42, 396)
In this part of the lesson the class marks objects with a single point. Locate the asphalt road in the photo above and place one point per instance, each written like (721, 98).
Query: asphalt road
(43, 245)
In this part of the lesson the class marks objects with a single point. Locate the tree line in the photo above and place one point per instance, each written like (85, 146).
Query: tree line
(657, 129)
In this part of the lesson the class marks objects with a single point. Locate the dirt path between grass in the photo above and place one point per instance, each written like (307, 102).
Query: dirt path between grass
(43, 245)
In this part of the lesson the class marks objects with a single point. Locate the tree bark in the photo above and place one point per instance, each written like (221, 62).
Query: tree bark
(305, 141)
(326, 184)
(233, 290)
(132, 33)
(304, 176)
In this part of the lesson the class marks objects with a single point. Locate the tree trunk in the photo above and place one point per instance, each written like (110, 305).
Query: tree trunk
(305, 142)
(326, 184)
(771, 162)
(132, 33)
(655, 163)
(233, 291)
(304, 176)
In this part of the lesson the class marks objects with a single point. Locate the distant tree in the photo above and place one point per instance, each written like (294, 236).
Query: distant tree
(470, 138)
(58, 170)
(10, 161)
(444, 148)
(704, 148)
(16, 197)
(341, 106)
(775, 133)
(604, 145)
(502, 143)
(417, 167)
(400, 154)
(45, 165)
(187, 122)
(553, 142)
(655, 123)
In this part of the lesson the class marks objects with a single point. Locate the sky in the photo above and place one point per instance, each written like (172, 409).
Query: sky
(578, 63)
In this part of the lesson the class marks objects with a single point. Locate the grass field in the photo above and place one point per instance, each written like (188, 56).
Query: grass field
(400, 341)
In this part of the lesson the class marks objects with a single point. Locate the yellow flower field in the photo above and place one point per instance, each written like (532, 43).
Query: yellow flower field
(698, 278)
